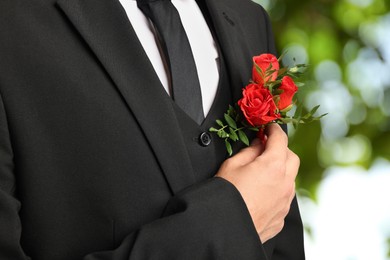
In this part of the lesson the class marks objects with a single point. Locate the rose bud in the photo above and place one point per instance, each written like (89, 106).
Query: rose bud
(288, 89)
(262, 65)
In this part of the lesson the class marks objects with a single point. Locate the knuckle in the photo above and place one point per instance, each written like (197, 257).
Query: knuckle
(291, 189)
(293, 156)
(292, 194)
(280, 226)
(286, 210)
(284, 137)
(289, 192)
(297, 159)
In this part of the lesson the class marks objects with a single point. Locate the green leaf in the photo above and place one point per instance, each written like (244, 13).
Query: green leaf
(230, 121)
(314, 110)
(213, 129)
(274, 85)
(282, 72)
(298, 112)
(311, 113)
(231, 110)
(270, 71)
(321, 116)
(294, 69)
(269, 68)
(222, 134)
(228, 147)
(220, 123)
(255, 129)
(259, 70)
(288, 120)
(233, 135)
(287, 108)
(243, 137)
(302, 65)
(276, 99)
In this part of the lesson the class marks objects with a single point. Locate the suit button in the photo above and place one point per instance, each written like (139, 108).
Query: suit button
(205, 139)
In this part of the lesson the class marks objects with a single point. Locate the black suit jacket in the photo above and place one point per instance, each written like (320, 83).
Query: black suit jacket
(92, 163)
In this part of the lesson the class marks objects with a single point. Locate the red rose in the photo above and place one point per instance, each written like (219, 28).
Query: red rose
(257, 105)
(264, 62)
(289, 89)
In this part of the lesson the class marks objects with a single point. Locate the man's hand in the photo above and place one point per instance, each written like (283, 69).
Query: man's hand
(265, 177)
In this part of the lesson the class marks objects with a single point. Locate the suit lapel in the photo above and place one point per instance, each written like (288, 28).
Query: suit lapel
(228, 29)
(106, 29)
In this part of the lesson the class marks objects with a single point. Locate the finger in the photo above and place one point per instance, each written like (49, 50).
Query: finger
(276, 136)
(276, 140)
(292, 165)
(249, 153)
(292, 194)
(259, 142)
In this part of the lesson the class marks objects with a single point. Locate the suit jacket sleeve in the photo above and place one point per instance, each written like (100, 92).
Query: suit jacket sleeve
(206, 221)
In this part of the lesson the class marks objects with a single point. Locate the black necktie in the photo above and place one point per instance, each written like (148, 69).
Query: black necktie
(174, 41)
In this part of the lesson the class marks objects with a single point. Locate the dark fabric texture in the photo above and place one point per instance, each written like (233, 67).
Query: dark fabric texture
(206, 159)
(94, 161)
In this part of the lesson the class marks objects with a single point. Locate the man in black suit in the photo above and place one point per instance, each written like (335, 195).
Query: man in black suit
(98, 162)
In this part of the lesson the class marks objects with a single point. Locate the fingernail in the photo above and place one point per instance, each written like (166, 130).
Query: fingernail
(268, 127)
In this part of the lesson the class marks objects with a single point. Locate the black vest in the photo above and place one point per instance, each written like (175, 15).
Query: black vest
(207, 158)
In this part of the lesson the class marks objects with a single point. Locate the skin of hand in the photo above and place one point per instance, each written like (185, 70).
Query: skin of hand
(265, 177)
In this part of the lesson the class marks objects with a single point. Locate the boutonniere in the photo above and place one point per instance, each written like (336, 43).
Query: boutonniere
(268, 98)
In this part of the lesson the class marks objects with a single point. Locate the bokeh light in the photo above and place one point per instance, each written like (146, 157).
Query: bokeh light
(344, 178)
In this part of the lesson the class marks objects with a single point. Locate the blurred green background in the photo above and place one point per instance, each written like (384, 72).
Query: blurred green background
(347, 46)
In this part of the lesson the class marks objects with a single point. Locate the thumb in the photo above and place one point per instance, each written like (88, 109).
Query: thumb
(249, 153)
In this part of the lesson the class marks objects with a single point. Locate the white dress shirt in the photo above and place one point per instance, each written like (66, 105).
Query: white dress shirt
(201, 40)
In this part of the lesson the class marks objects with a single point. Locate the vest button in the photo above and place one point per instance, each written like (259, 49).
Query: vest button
(205, 139)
